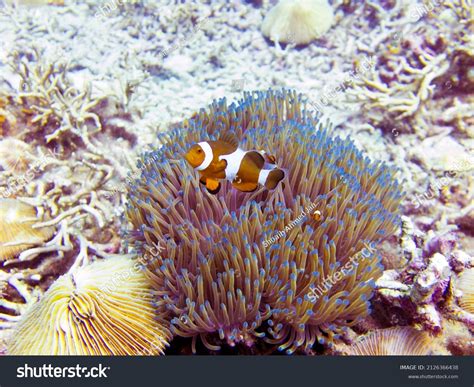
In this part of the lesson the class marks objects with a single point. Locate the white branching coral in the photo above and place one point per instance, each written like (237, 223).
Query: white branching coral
(55, 105)
(421, 69)
(62, 175)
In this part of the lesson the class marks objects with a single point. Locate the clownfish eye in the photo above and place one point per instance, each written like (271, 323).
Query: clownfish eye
(199, 151)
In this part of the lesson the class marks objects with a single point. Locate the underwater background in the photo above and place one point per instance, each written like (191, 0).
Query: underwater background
(109, 243)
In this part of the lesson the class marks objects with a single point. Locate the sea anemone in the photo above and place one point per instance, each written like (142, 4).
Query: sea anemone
(298, 21)
(398, 341)
(101, 309)
(16, 228)
(220, 272)
(466, 285)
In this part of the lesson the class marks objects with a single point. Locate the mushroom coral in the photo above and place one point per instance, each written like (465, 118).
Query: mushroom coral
(17, 232)
(298, 21)
(218, 277)
(466, 285)
(400, 341)
(101, 309)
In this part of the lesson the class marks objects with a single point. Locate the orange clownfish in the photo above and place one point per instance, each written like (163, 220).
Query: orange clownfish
(223, 159)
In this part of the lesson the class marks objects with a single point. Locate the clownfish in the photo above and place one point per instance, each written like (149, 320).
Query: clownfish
(223, 159)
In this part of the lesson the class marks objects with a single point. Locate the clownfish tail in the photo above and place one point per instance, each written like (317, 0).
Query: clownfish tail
(274, 177)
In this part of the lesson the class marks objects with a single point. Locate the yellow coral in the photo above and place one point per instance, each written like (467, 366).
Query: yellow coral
(16, 228)
(101, 309)
(466, 285)
(15, 155)
(402, 341)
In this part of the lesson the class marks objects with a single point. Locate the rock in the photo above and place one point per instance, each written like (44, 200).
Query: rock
(431, 283)
(460, 260)
(466, 222)
(389, 281)
(430, 318)
(443, 244)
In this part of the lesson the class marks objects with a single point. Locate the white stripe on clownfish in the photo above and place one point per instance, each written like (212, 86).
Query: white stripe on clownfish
(262, 177)
(233, 160)
(209, 155)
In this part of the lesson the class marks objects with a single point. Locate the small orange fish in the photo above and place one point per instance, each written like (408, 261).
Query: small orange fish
(223, 159)
(317, 216)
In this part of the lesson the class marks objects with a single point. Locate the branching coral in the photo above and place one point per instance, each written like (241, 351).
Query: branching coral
(54, 105)
(62, 173)
(217, 274)
(50, 110)
(101, 309)
(68, 185)
(420, 69)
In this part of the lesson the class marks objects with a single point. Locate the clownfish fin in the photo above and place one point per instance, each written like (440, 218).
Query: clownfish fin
(274, 177)
(244, 186)
(220, 166)
(269, 159)
(213, 186)
(230, 138)
(202, 180)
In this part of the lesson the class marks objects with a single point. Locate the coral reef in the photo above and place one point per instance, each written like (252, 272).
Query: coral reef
(102, 309)
(15, 155)
(61, 175)
(49, 108)
(298, 22)
(156, 64)
(424, 76)
(466, 286)
(34, 2)
(217, 275)
(399, 341)
(424, 292)
(17, 228)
